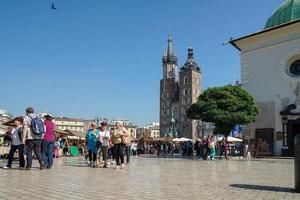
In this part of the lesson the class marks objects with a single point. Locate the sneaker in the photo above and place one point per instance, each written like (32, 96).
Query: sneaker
(117, 167)
(21, 168)
(105, 166)
(27, 168)
(44, 166)
(122, 166)
(5, 167)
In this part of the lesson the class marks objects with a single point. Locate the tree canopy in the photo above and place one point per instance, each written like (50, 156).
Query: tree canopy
(225, 106)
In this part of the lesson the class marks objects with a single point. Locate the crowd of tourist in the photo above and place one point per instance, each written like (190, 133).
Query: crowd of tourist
(203, 149)
(31, 136)
(108, 147)
(101, 147)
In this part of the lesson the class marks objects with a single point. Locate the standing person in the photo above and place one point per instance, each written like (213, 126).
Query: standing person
(206, 147)
(104, 139)
(119, 144)
(16, 145)
(48, 141)
(33, 129)
(134, 148)
(92, 137)
(224, 148)
(212, 147)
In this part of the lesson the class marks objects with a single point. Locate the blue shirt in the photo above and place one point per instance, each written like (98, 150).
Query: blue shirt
(92, 139)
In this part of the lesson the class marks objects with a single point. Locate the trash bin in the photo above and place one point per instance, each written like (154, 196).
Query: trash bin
(297, 162)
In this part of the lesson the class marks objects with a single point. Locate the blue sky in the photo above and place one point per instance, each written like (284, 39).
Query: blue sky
(94, 57)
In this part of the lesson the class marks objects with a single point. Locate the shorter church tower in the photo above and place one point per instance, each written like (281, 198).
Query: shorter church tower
(189, 90)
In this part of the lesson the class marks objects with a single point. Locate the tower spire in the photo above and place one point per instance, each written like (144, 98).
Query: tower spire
(170, 50)
(169, 55)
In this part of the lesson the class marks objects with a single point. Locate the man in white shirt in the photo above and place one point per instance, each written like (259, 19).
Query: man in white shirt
(104, 135)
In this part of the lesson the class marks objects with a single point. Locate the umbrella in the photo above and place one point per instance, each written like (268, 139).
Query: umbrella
(230, 139)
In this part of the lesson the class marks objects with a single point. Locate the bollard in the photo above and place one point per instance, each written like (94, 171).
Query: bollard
(297, 162)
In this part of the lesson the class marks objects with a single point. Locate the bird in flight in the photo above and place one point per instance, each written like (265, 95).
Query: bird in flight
(53, 7)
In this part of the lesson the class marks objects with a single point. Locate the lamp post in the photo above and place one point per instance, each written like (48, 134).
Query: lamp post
(173, 123)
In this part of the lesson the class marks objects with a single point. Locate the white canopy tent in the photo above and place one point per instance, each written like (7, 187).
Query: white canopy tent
(73, 137)
(181, 139)
(230, 139)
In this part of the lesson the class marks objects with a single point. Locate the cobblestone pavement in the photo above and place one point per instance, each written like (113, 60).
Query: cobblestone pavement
(153, 178)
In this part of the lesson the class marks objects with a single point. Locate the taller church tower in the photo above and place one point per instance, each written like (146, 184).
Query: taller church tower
(168, 90)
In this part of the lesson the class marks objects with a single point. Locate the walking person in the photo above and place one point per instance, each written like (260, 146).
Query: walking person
(206, 147)
(104, 139)
(224, 148)
(48, 141)
(119, 142)
(92, 137)
(212, 147)
(16, 145)
(33, 129)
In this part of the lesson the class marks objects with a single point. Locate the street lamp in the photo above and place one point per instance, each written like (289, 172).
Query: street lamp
(173, 123)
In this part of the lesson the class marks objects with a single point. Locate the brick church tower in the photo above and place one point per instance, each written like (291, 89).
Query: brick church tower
(176, 96)
(190, 88)
(168, 89)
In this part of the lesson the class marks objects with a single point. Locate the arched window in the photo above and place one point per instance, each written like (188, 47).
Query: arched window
(185, 80)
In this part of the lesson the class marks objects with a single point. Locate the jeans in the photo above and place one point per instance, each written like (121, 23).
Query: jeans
(119, 153)
(33, 145)
(92, 156)
(47, 149)
(12, 151)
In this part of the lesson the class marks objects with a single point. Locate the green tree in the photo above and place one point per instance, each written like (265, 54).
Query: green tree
(225, 107)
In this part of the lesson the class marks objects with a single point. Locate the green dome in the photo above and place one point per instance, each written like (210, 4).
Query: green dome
(287, 12)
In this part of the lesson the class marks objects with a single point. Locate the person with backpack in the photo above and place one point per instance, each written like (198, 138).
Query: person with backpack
(33, 130)
(48, 141)
(16, 145)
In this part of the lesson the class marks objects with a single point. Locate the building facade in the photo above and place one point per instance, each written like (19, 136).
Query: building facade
(270, 71)
(130, 127)
(72, 124)
(177, 93)
(149, 131)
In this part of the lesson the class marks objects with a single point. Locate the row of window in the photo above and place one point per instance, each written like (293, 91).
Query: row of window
(70, 128)
(167, 95)
(186, 92)
(195, 80)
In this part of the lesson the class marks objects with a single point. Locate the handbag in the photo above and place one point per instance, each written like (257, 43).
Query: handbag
(125, 140)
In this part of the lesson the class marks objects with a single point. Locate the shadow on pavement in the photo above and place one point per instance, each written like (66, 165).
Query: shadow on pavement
(263, 187)
(78, 165)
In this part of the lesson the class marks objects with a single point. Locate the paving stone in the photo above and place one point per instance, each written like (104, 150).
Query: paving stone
(153, 178)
